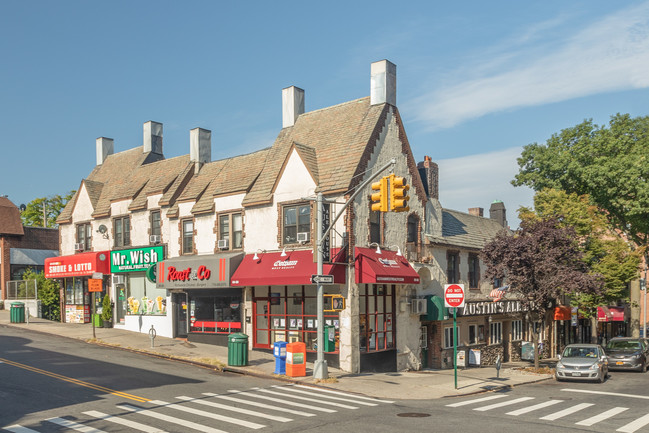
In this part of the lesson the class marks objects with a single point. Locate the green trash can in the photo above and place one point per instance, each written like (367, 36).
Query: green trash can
(97, 319)
(238, 349)
(17, 312)
(330, 338)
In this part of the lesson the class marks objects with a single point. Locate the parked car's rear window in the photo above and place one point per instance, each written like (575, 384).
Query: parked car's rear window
(624, 344)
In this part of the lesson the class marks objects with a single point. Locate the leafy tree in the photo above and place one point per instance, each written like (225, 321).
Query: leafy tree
(541, 262)
(48, 293)
(610, 165)
(45, 209)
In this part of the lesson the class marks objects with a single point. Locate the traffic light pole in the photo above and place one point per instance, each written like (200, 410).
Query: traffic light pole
(320, 365)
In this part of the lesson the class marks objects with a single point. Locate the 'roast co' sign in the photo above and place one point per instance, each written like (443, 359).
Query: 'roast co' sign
(488, 307)
(200, 272)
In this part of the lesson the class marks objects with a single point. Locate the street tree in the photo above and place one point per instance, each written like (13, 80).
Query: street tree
(541, 262)
(43, 211)
(605, 251)
(48, 293)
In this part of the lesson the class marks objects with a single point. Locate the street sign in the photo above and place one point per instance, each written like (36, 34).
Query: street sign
(322, 279)
(94, 285)
(454, 295)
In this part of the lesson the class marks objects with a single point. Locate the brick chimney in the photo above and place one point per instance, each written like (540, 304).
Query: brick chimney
(383, 83)
(498, 212)
(292, 105)
(429, 173)
(200, 147)
(105, 147)
(152, 137)
(476, 211)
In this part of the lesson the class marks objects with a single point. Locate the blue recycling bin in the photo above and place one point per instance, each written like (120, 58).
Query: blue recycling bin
(279, 351)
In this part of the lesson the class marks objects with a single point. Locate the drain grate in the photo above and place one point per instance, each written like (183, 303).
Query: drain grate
(413, 415)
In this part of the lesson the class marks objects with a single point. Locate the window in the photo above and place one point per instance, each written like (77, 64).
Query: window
(448, 337)
(375, 227)
(495, 333)
(297, 219)
(231, 229)
(188, 236)
(413, 229)
(452, 267)
(122, 231)
(84, 236)
(476, 334)
(517, 330)
(474, 271)
(155, 223)
(377, 317)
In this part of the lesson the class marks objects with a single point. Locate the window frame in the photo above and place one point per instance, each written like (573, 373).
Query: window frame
(517, 330)
(231, 232)
(155, 229)
(449, 337)
(495, 333)
(184, 243)
(297, 225)
(122, 238)
(474, 271)
(453, 271)
(375, 229)
(412, 229)
(87, 235)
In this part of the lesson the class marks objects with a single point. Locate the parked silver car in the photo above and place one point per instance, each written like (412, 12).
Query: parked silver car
(582, 362)
(625, 353)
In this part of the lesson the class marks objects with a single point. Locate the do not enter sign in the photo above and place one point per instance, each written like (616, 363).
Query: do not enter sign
(454, 295)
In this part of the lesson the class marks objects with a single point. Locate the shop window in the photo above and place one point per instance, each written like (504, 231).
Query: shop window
(517, 330)
(474, 271)
(142, 296)
(452, 267)
(376, 304)
(231, 230)
(188, 236)
(122, 231)
(297, 219)
(155, 223)
(495, 333)
(375, 227)
(84, 237)
(215, 314)
(413, 229)
(448, 337)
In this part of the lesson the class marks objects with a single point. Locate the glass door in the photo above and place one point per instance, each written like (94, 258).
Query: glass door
(179, 301)
(261, 323)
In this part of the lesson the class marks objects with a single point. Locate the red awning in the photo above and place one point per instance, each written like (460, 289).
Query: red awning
(386, 267)
(610, 314)
(271, 269)
(78, 265)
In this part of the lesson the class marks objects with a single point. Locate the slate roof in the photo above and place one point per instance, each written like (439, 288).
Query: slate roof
(10, 222)
(331, 141)
(467, 231)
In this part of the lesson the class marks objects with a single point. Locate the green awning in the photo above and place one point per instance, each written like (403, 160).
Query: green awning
(436, 309)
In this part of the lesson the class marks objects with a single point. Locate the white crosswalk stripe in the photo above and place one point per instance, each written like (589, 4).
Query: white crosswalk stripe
(18, 429)
(257, 404)
(356, 397)
(73, 425)
(206, 414)
(568, 411)
(284, 401)
(313, 400)
(316, 394)
(635, 425)
(502, 404)
(602, 416)
(170, 419)
(477, 400)
(234, 409)
(127, 423)
(534, 407)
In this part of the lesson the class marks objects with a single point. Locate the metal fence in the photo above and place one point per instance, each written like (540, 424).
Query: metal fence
(22, 289)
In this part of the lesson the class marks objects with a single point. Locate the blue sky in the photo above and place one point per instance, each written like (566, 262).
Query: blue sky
(476, 80)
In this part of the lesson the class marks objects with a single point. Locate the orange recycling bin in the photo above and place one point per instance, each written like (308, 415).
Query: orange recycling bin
(296, 359)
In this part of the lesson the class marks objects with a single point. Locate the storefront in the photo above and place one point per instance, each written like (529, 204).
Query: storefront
(139, 304)
(610, 323)
(379, 274)
(284, 300)
(205, 306)
(73, 273)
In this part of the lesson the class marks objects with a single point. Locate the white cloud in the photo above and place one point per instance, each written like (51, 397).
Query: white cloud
(478, 180)
(609, 55)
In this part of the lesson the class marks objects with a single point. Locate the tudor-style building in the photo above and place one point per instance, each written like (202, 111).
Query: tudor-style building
(200, 249)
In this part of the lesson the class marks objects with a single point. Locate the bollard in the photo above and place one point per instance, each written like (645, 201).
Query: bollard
(27, 315)
(152, 335)
(498, 364)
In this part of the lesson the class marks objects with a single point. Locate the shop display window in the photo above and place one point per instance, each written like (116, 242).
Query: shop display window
(76, 291)
(215, 314)
(376, 319)
(142, 296)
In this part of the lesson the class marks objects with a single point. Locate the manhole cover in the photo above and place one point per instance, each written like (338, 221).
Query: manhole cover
(413, 415)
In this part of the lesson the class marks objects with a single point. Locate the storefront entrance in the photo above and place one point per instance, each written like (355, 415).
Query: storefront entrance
(179, 301)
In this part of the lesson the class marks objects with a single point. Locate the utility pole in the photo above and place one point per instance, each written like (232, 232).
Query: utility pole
(44, 215)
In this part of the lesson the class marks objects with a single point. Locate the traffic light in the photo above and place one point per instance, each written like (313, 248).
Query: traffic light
(380, 197)
(399, 194)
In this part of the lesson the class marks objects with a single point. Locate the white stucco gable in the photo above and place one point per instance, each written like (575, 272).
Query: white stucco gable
(295, 181)
(83, 206)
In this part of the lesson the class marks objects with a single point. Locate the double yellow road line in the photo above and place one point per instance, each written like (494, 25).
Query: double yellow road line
(75, 381)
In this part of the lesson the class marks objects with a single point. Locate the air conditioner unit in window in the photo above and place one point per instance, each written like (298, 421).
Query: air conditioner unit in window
(303, 237)
(419, 306)
(154, 239)
(223, 244)
(118, 279)
(78, 247)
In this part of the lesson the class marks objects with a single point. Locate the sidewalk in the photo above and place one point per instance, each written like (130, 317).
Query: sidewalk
(426, 384)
